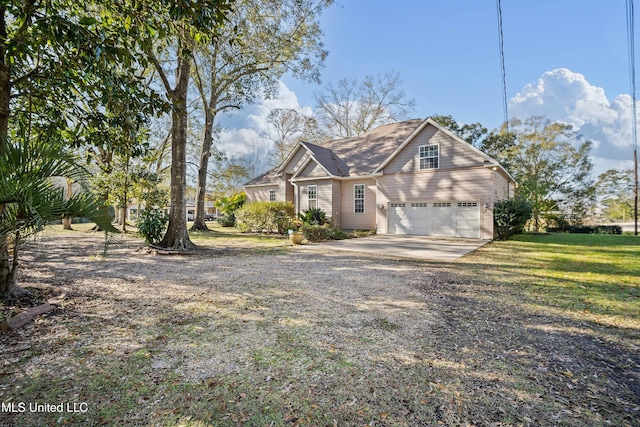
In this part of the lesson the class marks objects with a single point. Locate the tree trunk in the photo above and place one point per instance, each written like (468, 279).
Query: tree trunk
(207, 142)
(66, 222)
(5, 97)
(5, 267)
(5, 102)
(123, 215)
(9, 275)
(177, 236)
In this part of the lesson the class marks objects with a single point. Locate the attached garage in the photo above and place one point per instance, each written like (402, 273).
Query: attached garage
(438, 219)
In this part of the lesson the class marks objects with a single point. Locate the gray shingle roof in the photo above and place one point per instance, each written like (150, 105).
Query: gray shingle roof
(355, 156)
(269, 177)
(361, 155)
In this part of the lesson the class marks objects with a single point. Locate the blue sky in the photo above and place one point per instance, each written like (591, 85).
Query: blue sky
(564, 59)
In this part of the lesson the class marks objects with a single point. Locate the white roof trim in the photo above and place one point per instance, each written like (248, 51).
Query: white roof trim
(306, 163)
(273, 184)
(290, 156)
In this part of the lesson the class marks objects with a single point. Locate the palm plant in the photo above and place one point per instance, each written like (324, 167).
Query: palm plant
(29, 199)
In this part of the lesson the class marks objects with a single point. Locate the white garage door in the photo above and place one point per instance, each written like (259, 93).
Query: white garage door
(440, 219)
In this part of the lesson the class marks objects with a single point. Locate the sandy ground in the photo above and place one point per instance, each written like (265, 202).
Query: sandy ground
(413, 343)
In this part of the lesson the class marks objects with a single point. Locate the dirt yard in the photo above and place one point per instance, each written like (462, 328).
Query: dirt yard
(283, 337)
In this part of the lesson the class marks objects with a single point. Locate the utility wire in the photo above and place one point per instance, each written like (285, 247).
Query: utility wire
(632, 80)
(502, 68)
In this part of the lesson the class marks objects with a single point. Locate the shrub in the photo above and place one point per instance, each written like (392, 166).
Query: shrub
(228, 205)
(510, 216)
(315, 233)
(586, 229)
(319, 233)
(227, 220)
(152, 224)
(363, 233)
(314, 216)
(608, 229)
(267, 217)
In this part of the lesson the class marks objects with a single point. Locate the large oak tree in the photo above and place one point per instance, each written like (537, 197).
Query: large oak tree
(263, 40)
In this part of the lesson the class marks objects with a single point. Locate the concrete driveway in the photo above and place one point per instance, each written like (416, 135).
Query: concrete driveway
(420, 247)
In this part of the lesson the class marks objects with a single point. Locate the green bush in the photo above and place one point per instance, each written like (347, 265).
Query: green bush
(315, 233)
(269, 217)
(227, 220)
(313, 216)
(588, 229)
(319, 233)
(510, 216)
(363, 233)
(152, 224)
(229, 205)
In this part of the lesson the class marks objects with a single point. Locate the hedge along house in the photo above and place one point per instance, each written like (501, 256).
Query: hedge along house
(411, 177)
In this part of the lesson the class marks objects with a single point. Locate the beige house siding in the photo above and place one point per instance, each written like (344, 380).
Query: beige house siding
(351, 220)
(453, 154)
(296, 161)
(261, 194)
(312, 170)
(453, 185)
(325, 194)
(501, 187)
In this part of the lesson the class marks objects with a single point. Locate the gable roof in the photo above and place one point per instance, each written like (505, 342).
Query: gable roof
(366, 154)
(489, 161)
(326, 158)
(361, 155)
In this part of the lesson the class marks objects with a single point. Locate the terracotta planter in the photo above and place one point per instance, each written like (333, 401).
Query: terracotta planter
(295, 237)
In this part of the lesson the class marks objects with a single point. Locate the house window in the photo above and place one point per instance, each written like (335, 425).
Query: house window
(358, 198)
(429, 157)
(312, 192)
(272, 195)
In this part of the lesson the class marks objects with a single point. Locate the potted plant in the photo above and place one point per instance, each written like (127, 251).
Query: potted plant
(295, 235)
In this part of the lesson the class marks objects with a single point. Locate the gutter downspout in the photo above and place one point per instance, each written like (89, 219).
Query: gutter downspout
(296, 198)
(377, 207)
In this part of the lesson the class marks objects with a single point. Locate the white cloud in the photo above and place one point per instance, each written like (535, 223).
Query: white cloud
(566, 96)
(243, 130)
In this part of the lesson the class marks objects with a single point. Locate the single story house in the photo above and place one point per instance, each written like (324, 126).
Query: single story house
(410, 177)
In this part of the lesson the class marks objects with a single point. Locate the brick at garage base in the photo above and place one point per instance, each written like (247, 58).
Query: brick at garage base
(22, 319)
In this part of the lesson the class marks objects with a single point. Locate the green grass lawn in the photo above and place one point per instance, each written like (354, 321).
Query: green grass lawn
(597, 276)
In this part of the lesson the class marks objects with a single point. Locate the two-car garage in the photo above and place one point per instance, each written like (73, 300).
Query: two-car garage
(438, 219)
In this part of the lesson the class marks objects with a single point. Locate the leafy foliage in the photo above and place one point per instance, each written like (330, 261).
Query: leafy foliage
(29, 199)
(510, 216)
(313, 216)
(614, 189)
(589, 229)
(228, 205)
(152, 224)
(472, 133)
(552, 167)
(318, 233)
(267, 217)
(228, 220)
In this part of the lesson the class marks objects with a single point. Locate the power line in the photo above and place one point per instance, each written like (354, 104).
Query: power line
(502, 68)
(632, 80)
